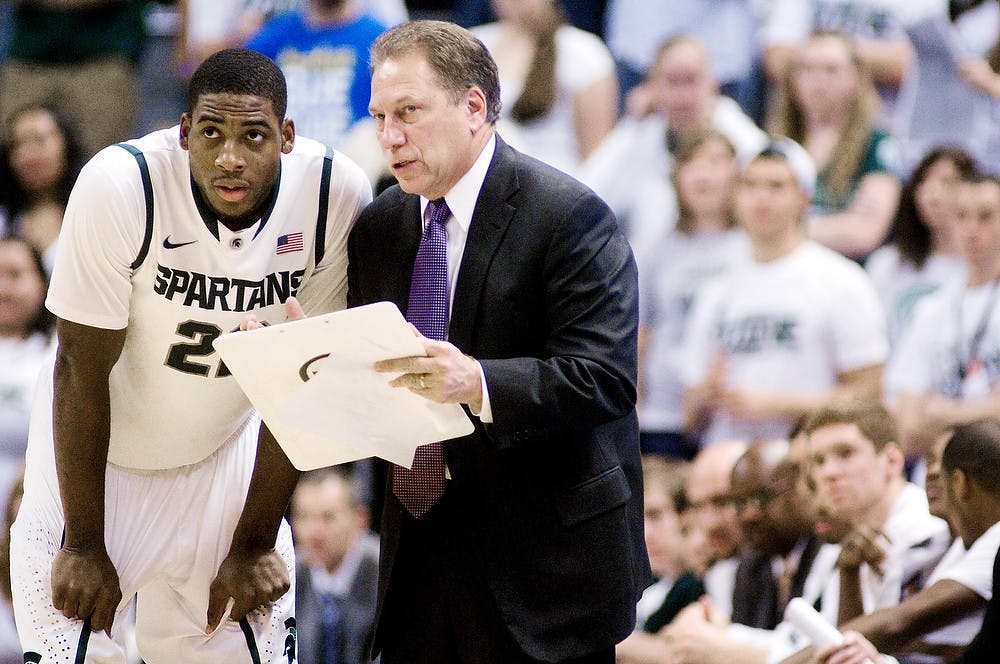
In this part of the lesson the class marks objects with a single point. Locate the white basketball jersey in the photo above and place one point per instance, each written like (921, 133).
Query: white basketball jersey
(140, 250)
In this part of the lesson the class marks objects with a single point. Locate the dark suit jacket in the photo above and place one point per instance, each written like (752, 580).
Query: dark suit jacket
(550, 492)
(358, 614)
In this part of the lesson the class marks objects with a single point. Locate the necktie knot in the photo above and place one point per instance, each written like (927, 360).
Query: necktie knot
(438, 211)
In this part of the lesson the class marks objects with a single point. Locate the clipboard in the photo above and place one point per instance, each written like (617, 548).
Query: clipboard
(313, 383)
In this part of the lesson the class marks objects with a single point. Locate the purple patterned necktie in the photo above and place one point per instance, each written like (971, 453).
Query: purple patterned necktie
(423, 485)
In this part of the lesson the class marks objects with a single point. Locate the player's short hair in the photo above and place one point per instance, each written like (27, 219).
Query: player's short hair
(459, 60)
(872, 418)
(243, 72)
(974, 448)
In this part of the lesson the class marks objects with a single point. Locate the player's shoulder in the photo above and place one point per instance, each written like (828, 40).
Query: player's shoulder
(124, 166)
(311, 157)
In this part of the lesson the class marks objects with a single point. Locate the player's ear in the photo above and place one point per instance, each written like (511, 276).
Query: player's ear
(287, 135)
(185, 130)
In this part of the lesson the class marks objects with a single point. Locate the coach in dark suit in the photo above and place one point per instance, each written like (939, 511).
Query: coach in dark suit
(533, 549)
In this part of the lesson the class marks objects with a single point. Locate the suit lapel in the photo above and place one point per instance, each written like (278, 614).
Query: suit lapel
(408, 242)
(490, 220)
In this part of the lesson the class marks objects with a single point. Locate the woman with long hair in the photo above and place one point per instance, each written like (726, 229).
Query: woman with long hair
(557, 82)
(41, 158)
(921, 254)
(829, 105)
(704, 242)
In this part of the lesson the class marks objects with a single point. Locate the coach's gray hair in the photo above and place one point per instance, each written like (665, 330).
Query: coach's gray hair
(459, 60)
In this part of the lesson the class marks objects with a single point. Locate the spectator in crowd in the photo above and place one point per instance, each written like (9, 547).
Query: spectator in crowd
(707, 490)
(828, 105)
(857, 464)
(876, 27)
(983, 74)
(322, 48)
(777, 524)
(775, 516)
(946, 614)
(26, 342)
(336, 578)
(704, 242)
(80, 56)
(676, 585)
(631, 168)
(726, 27)
(939, 106)
(923, 252)
(857, 470)
(40, 162)
(779, 336)
(947, 366)
(964, 592)
(557, 82)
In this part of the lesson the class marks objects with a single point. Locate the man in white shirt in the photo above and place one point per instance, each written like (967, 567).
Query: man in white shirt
(857, 470)
(336, 580)
(963, 582)
(947, 369)
(782, 334)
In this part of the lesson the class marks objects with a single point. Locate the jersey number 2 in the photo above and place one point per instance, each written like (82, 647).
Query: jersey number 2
(202, 335)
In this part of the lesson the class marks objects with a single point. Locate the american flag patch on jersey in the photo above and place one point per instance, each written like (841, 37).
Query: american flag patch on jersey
(289, 243)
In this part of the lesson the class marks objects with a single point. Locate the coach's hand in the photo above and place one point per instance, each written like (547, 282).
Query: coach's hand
(251, 579)
(85, 586)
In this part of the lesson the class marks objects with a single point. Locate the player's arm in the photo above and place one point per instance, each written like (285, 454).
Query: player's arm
(253, 573)
(940, 604)
(84, 581)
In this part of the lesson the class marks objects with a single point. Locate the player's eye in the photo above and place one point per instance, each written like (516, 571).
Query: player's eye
(210, 132)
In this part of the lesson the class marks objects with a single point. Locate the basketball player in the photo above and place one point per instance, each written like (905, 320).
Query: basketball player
(142, 449)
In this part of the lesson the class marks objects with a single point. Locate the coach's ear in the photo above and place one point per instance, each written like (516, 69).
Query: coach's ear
(185, 130)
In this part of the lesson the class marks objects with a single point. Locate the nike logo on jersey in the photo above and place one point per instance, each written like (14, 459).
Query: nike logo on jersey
(167, 244)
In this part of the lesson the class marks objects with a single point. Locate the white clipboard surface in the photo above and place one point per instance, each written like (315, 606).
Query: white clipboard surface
(313, 383)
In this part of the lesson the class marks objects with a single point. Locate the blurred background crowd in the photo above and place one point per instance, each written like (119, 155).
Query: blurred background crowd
(866, 302)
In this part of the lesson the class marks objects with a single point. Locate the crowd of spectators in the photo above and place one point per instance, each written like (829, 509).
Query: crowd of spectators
(810, 190)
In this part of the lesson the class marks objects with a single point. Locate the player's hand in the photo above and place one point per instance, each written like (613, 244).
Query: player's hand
(861, 545)
(293, 311)
(854, 649)
(251, 579)
(446, 375)
(85, 586)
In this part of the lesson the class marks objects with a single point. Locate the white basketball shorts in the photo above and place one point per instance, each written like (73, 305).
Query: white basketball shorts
(167, 532)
